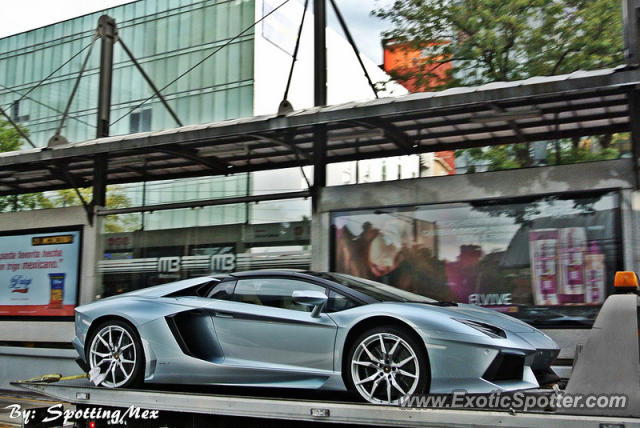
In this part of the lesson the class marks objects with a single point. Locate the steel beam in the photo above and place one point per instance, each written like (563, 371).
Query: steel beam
(400, 138)
(631, 19)
(208, 203)
(100, 171)
(320, 52)
(352, 42)
(320, 98)
(108, 32)
(150, 83)
(210, 162)
(287, 142)
(634, 121)
(319, 162)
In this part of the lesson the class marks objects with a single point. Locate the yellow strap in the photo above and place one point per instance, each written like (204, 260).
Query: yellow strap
(55, 377)
(80, 376)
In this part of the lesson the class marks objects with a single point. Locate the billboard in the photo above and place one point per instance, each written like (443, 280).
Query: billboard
(548, 260)
(39, 273)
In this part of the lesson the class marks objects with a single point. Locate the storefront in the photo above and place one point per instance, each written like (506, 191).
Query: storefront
(547, 258)
(134, 260)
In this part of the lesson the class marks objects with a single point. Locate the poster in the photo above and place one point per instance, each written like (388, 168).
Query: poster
(566, 269)
(548, 260)
(39, 273)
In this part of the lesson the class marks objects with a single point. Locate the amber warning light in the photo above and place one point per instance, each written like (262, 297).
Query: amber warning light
(625, 281)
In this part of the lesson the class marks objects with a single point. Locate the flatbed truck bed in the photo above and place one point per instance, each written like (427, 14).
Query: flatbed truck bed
(305, 411)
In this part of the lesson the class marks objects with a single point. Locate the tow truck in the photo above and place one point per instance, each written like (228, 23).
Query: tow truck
(608, 364)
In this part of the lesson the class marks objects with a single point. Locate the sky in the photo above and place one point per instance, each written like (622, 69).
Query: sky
(23, 15)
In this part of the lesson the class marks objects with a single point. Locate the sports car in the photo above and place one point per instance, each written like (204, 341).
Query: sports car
(312, 330)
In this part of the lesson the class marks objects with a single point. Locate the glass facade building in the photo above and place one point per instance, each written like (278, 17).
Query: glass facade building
(38, 70)
(549, 260)
(164, 36)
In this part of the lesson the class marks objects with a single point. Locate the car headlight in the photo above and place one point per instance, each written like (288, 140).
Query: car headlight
(488, 329)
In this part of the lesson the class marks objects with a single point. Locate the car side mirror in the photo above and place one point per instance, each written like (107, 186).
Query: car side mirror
(317, 299)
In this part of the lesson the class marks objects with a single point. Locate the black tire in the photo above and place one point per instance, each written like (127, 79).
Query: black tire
(420, 363)
(136, 378)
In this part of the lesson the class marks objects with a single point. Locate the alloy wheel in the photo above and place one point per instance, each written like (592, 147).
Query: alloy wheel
(113, 351)
(385, 368)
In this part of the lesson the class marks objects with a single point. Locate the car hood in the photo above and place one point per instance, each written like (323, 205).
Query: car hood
(479, 314)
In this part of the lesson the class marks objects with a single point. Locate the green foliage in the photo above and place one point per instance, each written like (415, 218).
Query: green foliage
(501, 40)
(116, 198)
(28, 201)
(501, 157)
(577, 155)
(498, 158)
(11, 140)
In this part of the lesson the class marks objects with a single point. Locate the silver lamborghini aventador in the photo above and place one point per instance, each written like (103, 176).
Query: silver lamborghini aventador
(312, 330)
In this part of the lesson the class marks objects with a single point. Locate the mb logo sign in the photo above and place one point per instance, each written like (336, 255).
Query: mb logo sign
(217, 263)
(169, 264)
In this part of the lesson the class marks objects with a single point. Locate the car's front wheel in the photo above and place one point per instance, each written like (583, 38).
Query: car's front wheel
(385, 364)
(116, 351)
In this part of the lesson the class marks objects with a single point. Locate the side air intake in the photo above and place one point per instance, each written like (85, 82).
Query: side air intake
(505, 367)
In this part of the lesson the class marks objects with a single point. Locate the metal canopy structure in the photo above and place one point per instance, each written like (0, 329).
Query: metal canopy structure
(540, 108)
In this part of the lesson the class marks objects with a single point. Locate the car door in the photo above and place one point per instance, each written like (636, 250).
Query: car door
(262, 327)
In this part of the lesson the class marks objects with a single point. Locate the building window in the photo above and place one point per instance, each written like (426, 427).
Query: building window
(140, 121)
(15, 112)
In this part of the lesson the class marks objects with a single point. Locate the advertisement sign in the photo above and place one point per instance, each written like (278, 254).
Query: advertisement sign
(223, 261)
(565, 270)
(123, 271)
(39, 273)
(547, 260)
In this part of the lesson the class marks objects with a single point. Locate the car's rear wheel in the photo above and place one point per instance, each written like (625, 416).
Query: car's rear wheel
(116, 350)
(385, 364)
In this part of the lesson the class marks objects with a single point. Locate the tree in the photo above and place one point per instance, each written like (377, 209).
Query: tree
(11, 140)
(501, 40)
(564, 151)
(116, 198)
(483, 41)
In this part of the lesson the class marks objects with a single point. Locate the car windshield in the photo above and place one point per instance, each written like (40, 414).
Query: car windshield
(376, 290)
